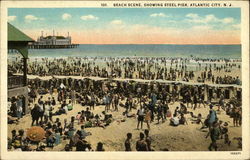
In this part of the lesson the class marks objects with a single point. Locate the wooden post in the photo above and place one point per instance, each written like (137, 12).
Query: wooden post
(26, 103)
(25, 71)
(206, 93)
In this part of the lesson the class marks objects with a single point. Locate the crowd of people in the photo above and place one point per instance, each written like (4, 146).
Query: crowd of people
(150, 100)
(146, 102)
(172, 69)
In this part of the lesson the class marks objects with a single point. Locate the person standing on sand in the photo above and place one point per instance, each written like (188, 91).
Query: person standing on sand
(212, 117)
(159, 113)
(47, 109)
(148, 139)
(141, 145)
(35, 114)
(107, 102)
(236, 114)
(153, 98)
(41, 110)
(195, 101)
(116, 101)
(127, 106)
(148, 117)
(214, 135)
(152, 110)
(140, 114)
(201, 99)
(92, 101)
(130, 102)
(165, 109)
(128, 142)
(73, 96)
(19, 110)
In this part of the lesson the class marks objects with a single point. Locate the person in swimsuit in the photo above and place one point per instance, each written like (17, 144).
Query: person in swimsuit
(141, 145)
(140, 114)
(148, 140)
(128, 142)
(148, 118)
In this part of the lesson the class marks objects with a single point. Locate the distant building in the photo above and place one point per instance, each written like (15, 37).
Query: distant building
(53, 40)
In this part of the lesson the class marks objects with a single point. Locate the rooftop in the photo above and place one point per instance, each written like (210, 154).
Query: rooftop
(15, 34)
(57, 37)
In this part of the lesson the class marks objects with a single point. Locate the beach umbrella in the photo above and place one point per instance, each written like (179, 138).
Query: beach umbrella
(36, 133)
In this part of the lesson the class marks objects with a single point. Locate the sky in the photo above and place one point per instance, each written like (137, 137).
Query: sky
(132, 25)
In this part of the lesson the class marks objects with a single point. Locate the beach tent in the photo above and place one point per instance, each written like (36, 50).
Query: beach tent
(167, 82)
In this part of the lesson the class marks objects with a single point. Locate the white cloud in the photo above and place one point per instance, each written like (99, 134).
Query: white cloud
(210, 18)
(228, 20)
(29, 18)
(66, 16)
(117, 22)
(195, 18)
(192, 15)
(89, 17)
(236, 26)
(158, 15)
(11, 18)
(206, 28)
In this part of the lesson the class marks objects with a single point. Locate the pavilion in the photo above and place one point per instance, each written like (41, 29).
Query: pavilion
(17, 85)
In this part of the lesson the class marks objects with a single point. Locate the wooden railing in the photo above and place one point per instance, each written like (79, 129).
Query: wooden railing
(15, 81)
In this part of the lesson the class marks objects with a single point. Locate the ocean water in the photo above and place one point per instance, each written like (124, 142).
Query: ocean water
(161, 50)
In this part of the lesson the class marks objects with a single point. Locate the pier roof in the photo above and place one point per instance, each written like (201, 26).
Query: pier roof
(15, 34)
(57, 37)
(18, 40)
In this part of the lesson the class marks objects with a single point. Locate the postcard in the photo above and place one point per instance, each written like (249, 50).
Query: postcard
(125, 80)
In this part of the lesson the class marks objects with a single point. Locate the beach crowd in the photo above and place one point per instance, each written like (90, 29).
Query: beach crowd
(151, 102)
(172, 69)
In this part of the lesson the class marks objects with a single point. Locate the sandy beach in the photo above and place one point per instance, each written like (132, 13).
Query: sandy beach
(188, 137)
(181, 138)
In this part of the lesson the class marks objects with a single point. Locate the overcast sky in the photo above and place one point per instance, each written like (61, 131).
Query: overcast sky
(132, 25)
